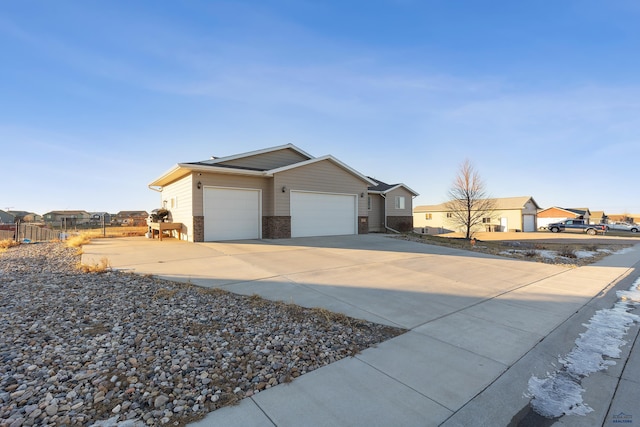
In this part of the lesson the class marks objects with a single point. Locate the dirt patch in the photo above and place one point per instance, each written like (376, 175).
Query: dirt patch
(566, 249)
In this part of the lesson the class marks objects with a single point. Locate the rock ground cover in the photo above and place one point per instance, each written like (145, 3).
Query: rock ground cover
(114, 348)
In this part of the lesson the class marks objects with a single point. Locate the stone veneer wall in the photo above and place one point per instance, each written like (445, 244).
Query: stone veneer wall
(198, 228)
(400, 223)
(363, 225)
(276, 227)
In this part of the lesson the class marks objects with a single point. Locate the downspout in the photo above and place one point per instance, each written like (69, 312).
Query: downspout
(385, 215)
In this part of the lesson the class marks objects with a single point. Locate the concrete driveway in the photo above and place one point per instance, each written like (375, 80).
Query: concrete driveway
(471, 318)
(371, 277)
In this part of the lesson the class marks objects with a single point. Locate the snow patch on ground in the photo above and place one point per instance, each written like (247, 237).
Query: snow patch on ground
(547, 254)
(624, 250)
(560, 393)
(585, 254)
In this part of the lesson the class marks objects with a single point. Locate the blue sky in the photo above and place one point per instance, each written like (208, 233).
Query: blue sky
(99, 98)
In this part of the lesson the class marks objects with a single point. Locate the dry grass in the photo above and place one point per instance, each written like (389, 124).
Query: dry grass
(77, 241)
(567, 252)
(526, 248)
(8, 243)
(165, 293)
(98, 233)
(212, 291)
(100, 267)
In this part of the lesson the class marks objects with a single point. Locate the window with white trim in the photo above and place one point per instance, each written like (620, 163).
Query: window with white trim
(399, 202)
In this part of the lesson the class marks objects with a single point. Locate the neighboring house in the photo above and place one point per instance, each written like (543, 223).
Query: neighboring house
(557, 214)
(6, 218)
(26, 216)
(510, 214)
(598, 217)
(132, 218)
(629, 218)
(97, 217)
(277, 192)
(389, 207)
(67, 218)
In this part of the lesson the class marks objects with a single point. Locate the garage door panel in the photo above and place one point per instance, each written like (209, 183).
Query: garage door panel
(322, 214)
(231, 214)
(529, 223)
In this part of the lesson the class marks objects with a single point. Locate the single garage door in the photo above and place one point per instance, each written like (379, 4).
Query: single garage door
(231, 214)
(529, 223)
(322, 214)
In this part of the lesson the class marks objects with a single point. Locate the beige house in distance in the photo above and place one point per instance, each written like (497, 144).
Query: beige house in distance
(278, 192)
(510, 214)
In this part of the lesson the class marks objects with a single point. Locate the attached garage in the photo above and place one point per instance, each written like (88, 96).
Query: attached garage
(323, 214)
(231, 214)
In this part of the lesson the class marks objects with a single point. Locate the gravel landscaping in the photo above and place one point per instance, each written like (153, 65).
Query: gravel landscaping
(116, 349)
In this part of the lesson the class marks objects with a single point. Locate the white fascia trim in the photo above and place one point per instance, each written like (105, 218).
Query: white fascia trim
(401, 185)
(175, 172)
(219, 169)
(320, 159)
(165, 175)
(257, 152)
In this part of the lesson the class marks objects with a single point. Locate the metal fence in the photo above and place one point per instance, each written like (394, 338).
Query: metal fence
(31, 233)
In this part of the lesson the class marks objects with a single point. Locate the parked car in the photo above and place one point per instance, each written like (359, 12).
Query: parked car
(577, 225)
(623, 226)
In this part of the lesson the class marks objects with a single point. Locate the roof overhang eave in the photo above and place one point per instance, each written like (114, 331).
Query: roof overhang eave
(183, 169)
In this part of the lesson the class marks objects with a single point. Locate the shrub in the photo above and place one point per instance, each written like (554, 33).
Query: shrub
(8, 243)
(100, 267)
(77, 241)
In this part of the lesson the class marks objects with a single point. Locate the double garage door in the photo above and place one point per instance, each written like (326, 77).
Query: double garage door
(236, 214)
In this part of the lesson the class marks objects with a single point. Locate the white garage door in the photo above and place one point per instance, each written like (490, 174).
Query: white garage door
(322, 214)
(231, 214)
(529, 223)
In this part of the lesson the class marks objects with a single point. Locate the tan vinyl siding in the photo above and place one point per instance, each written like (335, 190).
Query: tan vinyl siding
(177, 198)
(391, 203)
(267, 161)
(233, 181)
(324, 176)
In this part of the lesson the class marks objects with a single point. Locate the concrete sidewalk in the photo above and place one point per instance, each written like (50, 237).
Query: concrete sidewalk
(479, 326)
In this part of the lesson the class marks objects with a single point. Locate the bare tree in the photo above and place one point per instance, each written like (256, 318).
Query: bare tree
(469, 204)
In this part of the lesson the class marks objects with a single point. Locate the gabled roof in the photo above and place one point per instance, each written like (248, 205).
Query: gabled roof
(67, 213)
(579, 211)
(504, 204)
(6, 217)
(20, 213)
(132, 213)
(214, 165)
(316, 160)
(383, 188)
(507, 203)
(572, 211)
(215, 160)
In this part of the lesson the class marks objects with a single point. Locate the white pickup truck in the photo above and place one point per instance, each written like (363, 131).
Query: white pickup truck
(623, 226)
